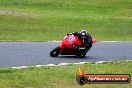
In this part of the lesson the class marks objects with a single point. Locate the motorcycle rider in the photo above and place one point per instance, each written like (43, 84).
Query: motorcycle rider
(86, 39)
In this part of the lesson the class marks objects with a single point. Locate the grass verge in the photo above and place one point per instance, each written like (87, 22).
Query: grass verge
(42, 20)
(61, 76)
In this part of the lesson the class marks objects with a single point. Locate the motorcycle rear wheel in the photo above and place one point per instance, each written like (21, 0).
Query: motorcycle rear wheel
(55, 52)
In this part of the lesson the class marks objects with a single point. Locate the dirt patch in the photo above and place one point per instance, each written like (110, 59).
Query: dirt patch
(15, 13)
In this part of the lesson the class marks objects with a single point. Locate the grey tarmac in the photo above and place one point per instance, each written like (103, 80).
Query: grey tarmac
(14, 54)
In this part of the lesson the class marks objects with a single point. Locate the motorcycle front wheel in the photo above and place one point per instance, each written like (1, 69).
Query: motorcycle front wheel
(55, 52)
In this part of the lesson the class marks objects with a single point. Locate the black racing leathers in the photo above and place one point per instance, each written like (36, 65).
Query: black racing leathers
(87, 43)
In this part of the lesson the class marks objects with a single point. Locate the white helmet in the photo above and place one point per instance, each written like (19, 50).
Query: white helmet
(84, 34)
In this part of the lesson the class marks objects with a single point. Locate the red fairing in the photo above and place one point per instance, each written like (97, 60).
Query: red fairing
(93, 40)
(68, 41)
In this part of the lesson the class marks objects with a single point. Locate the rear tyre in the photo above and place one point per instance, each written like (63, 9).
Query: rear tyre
(55, 52)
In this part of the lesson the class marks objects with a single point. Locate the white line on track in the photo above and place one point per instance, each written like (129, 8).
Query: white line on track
(61, 64)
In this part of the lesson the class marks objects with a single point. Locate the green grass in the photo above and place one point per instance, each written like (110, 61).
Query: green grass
(41, 20)
(61, 76)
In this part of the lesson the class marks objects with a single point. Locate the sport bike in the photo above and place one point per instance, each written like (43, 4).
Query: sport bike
(71, 45)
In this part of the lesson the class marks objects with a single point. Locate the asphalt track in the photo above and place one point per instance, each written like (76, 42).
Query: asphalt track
(14, 54)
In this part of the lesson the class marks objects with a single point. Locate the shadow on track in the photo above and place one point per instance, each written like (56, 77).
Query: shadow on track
(76, 57)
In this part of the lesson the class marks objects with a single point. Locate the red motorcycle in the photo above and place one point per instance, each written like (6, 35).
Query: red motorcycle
(67, 47)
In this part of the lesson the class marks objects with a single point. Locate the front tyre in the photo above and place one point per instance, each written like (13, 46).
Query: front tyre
(80, 55)
(55, 52)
